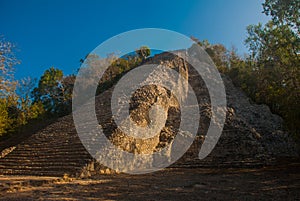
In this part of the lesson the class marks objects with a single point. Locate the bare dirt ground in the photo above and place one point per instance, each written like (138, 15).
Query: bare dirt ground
(280, 182)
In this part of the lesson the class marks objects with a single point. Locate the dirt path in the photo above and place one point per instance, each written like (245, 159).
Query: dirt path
(272, 183)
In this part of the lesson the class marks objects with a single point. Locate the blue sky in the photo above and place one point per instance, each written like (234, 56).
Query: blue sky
(59, 33)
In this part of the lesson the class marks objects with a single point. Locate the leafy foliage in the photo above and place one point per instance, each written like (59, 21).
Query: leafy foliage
(271, 74)
(7, 62)
(143, 52)
(16, 109)
(217, 52)
(54, 91)
(284, 12)
(115, 68)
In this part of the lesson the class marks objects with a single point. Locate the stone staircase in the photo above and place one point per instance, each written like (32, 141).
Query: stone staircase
(54, 151)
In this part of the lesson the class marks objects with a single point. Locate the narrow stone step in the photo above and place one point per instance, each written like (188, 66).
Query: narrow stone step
(48, 168)
(41, 164)
(48, 154)
(48, 151)
(42, 160)
(37, 173)
(49, 146)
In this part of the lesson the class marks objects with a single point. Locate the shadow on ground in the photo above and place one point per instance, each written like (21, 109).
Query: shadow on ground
(281, 182)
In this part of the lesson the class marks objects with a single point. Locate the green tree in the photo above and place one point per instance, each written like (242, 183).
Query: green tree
(27, 109)
(217, 52)
(284, 12)
(143, 52)
(16, 107)
(7, 63)
(54, 91)
(8, 97)
(275, 49)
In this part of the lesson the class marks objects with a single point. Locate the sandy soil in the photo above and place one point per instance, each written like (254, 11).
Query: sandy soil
(270, 183)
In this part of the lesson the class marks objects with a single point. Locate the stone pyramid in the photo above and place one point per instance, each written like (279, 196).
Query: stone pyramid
(252, 135)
